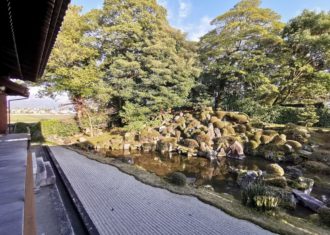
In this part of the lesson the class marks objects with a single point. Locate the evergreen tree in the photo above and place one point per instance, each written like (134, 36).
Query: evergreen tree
(303, 75)
(238, 55)
(150, 66)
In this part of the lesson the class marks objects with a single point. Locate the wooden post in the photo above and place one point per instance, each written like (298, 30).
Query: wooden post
(30, 227)
(3, 113)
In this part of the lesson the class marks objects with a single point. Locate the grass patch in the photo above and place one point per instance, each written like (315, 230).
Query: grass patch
(34, 118)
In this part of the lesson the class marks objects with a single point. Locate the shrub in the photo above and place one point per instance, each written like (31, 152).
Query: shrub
(59, 128)
(324, 120)
(257, 195)
(179, 179)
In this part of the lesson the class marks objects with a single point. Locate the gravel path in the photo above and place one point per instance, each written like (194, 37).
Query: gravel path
(119, 204)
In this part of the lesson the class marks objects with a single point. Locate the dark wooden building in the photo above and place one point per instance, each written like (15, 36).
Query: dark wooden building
(28, 30)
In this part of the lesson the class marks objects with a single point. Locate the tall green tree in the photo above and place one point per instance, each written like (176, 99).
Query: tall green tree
(238, 55)
(150, 65)
(304, 60)
(74, 69)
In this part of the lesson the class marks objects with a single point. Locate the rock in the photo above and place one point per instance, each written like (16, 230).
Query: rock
(191, 143)
(287, 148)
(304, 153)
(210, 131)
(317, 167)
(82, 139)
(265, 139)
(178, 178)
(203, 138)
(288, 200)
(246, 178)
(207, 187)
(211, 154)
(148, 147)
(294, 144)
(240, 128)
(221, 124)
(293, 172)
(275, 156)
(220, 114)
(275, 169)
(324, 214)
(166, 145)
(237, 117)
(303, 184)
(308, 201)
(217, 132)
(149, 135)
(126, 146)
(279, 139)
(275, 180)
(214, 119)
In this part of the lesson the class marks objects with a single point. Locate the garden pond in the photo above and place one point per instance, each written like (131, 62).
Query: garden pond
(201, 172)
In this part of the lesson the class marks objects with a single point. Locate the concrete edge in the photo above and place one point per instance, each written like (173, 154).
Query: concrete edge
(90, 226)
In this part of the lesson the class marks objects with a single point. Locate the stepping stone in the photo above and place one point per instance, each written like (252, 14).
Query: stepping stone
(308, 201)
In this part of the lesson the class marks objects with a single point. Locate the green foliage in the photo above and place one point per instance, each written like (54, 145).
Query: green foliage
(237, 55)
(58, 128)
(257, 195)
(32, 128)
(150, 65)
(324, 120)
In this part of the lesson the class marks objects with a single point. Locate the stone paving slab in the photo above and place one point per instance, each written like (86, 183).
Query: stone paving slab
(119, 204)
(13, 154)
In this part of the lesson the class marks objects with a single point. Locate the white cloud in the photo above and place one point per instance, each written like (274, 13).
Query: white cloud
(204, 26)
(163, 3)
(184, 8)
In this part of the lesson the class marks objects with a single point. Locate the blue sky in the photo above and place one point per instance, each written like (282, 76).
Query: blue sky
(193, 16)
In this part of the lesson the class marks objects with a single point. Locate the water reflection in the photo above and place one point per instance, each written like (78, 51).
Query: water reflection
(199, 171)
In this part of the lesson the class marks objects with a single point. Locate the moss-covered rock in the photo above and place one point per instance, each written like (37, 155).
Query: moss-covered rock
(275, 180)
(214, 119)
(279, 140)
(178, 178)
(237, 117)
(265, 139)
(302, 183)
(229, 131)
(148, 135)
(275, 169)
(190, 143)
(294, 144)
(220, 114)
(240, 128)
(220, 124)
(203, 138)
(166, 144)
